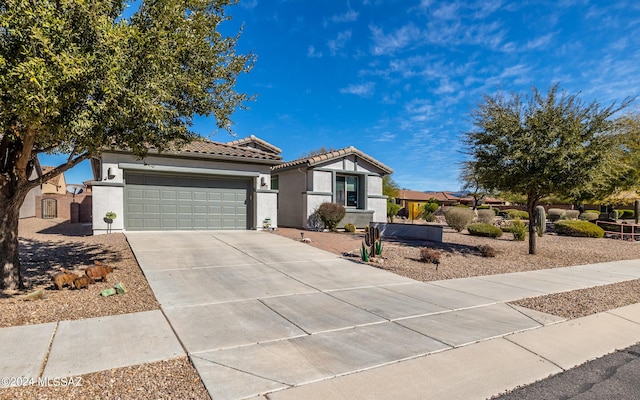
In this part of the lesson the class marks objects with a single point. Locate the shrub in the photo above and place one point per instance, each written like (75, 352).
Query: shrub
(625, 214)
(429, 217)
(350, 228)
(458, 217)
(486, 250)
(486, 216)
(485, 230)
(572, 214)
(554, 214)
(430, 207)
(579, 229)
(514, 214)
(428, 255)
(519, 230)
(392, 209)
(314, 223)
(589, 216)
(331, 214)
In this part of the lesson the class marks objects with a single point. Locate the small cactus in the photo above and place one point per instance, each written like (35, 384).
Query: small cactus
(540, 221)
(364, 253)
(371, 237)
(379, 247)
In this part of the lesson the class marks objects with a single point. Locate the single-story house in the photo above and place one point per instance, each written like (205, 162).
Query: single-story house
(413, 200)
(347, 176)
(205, 185)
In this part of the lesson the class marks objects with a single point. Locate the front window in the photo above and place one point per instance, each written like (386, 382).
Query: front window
(347, 190)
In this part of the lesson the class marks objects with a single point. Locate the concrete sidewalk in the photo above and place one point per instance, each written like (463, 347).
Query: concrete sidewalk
(259, 313)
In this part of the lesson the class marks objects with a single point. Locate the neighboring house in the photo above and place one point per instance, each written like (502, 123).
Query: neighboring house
(30, 203)
(347, 176)
(205, 185)
(487, 201)
(414, 201)
(55, 185)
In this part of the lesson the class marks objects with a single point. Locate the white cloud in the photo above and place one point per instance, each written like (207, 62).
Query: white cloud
(540, 42)
(362, 89)
(385, 137)
(386, 44)
(339, 42)
(313, 53)
(349, 16)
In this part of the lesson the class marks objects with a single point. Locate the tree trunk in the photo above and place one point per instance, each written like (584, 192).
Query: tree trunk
(9, 249)
(532, 203)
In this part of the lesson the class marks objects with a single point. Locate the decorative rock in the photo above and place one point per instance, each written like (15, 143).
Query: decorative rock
(120, 289)
(108, 292)
(35, 295)
(305, 240)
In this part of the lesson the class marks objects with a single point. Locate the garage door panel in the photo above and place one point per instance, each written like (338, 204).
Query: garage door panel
(200, 196)
(182, 202)
(169, 209)
(169, 195)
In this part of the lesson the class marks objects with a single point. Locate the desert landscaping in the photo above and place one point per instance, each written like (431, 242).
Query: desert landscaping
(48, 245)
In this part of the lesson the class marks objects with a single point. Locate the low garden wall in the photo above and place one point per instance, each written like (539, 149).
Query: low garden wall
(421, 232)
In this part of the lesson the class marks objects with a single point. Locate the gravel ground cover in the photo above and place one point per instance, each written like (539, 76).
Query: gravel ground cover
(461, 258)
(45, 247)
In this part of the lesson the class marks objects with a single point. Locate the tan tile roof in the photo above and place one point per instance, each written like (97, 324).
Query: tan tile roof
(204, 146)
(262, 144)
(332, 155)
(426, 196)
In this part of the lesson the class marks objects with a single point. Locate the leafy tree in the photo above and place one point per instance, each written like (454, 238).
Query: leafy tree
(318, 151)
(471, 184)
(541, 145)
(76, 77)
(390, 188)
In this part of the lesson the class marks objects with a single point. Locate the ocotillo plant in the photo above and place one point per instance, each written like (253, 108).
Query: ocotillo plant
(371, 237)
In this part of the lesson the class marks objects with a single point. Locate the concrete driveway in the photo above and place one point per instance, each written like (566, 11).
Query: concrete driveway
(259, 313)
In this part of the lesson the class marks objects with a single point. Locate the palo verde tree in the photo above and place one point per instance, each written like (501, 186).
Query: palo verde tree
(76, 77)
(541, 145)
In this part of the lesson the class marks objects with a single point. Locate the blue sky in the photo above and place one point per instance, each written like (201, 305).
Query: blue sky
(397, 79)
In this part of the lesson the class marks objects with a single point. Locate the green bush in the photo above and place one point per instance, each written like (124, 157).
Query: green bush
(578, 228)
(589, 216)
(429, 217)
(331, 214)
(392, 209)
(625, 214)
(572, 214)
(486, 216)
(519, 230)
(496, 211)
(515, 214)
(458, 217)
(554, 214)
(485, 230)
(350, 228)
(430, 207)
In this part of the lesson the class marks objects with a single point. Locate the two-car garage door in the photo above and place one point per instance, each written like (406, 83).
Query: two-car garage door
(161, 202)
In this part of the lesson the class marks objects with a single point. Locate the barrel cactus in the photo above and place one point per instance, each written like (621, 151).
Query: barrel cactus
(540, 221)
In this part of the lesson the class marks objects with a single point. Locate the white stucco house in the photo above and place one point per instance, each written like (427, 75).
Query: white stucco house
(347, 176)
(205, 185)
